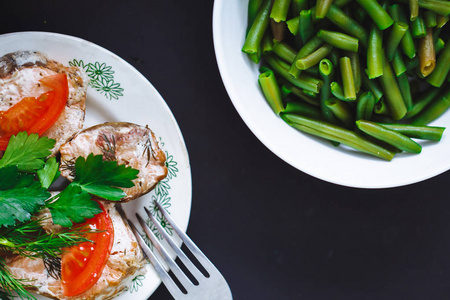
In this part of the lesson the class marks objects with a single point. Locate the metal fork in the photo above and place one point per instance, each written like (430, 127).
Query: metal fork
(208, 286)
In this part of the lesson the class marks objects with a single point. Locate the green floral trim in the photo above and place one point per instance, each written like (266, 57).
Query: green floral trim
(102, 78)
(136, 283)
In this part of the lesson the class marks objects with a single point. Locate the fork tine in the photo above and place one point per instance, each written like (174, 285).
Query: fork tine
(181, 255)
(204, 261)
(184, 280)
(165, 277)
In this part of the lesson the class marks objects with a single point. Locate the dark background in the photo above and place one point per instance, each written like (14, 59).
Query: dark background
(273, 231)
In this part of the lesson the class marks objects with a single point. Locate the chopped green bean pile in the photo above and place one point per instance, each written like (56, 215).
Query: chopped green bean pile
(364, 73)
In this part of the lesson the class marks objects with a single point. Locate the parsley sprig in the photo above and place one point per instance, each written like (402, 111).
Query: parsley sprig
(25, 176)
(21, 195)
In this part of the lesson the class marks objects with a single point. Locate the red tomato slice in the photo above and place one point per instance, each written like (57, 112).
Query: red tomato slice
(83, 264)
(35, 115)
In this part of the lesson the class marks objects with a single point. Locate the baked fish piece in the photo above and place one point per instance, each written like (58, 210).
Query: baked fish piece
(20, 75)
(130, 144)
(124, 263)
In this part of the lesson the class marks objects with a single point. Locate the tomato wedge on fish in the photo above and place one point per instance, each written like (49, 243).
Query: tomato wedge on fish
(82, 265)
(35, 114)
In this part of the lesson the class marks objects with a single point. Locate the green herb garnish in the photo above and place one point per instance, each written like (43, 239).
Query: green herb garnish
(25, 176)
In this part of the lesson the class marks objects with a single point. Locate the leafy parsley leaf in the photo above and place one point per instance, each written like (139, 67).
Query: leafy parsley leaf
(103, 178)
(20, 203)
(49, 173)
(27, 152)
(9, 177)
(73, 205)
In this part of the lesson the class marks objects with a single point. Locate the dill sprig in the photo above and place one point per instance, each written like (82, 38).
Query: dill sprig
(9, 284)
(29, 239)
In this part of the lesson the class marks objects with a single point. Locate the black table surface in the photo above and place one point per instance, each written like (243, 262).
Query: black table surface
(273, 231)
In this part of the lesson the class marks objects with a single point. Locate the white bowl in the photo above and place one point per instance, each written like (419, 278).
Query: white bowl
(309, 154)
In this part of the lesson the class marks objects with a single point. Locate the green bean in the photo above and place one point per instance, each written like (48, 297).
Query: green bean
(356, 70)
(407, 42)
(436, 33)
(304, 109)
(392, 92)
(334, 56)
(434, 110)
(310, 93)
(259, 26)
(414, 9)
(430, 19)
(348, 81)
(308, 98)
(322, 7)
(375, 53)
(422, 101)
(266, 44)
(381, 108)
(337, 134)
(360, 14)
(372, 86)
(284, 51)
(337, 91)
(271, 90)
(293, 24)
(313, 71)
(279, 10)
(341, 110)
(397, 32)
(412, 64)
(312, 45)
(253, 8)
(405, 90)
(255, 57)
(285, 92)
(365, 106)
(418, 27)
(382, 119)
(427, 55)
(304, 81)
(437, 77)
(339, 40)
(440, 7)
(341, 3)
(398, 64)
(380, 17)
(306, 26)
(431, 133)
(438, 46)
(441, 20)
(298, 6)
(313, 58)
(326, 71)
(278, 30)
(350, 26)
(391, 137)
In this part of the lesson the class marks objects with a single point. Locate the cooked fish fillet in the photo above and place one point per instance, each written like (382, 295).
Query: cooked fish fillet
(125, 262)
(130, 144)
(19, 78)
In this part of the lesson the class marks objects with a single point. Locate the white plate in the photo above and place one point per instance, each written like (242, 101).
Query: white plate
(311, 155)
(118, 92)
